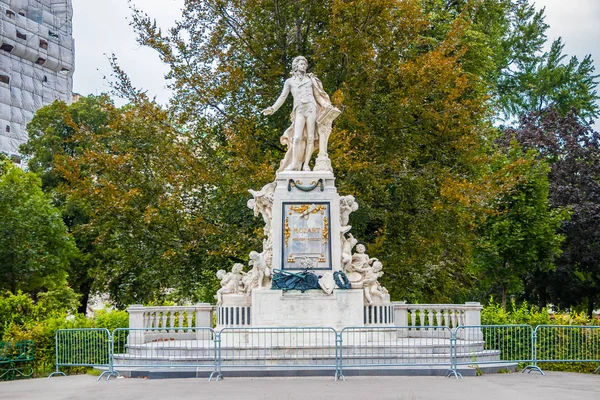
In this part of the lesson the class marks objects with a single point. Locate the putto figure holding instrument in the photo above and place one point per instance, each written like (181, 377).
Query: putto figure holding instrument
(312, 117)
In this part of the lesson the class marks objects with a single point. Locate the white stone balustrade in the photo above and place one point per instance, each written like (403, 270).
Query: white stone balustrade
(379, 315)
(422, 318)
(172, 322)
(178, 322)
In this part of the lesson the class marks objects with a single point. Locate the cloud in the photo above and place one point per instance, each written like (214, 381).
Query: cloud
(101, 28)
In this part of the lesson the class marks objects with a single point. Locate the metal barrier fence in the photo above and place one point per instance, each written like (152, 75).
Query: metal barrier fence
(197, 350)
(565, 343)
(84, 348)
(390, 347)
(493, 344)
(282, 348)
(323, 348)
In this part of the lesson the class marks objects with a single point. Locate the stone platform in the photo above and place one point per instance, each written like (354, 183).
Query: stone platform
(245, 356)
(255, 372)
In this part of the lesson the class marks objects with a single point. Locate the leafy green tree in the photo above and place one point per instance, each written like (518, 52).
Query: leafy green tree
(520, 236)
(411, 130)
(141, 188)
(35, 247)
(51, 141)
(506, 51)
(572, 149)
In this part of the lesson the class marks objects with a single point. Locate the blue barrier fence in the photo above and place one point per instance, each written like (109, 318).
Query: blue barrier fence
(324, 350)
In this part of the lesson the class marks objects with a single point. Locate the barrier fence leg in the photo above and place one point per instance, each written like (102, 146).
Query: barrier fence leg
(453, 355)
(338, 358)
(217, 369)
(597, 370)
(57, 372)
(111, 365)
(533, 366)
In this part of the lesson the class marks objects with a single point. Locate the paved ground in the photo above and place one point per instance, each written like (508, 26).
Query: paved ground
(515, 386)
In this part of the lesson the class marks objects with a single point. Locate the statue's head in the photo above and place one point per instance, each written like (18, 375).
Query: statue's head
(377, 266)
(237, 268)
(296, 63)
(221, 274)
(360, 248)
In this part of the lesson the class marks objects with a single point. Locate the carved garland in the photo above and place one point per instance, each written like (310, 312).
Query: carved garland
(309, 188)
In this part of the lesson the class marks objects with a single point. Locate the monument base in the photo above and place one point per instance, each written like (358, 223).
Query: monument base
(276, 308)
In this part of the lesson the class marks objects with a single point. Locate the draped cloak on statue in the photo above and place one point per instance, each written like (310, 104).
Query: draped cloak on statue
(287, 138)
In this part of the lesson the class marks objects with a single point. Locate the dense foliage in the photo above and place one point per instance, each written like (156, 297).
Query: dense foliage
(572, 150)
(24, 319)
(35, 247)
(155, 197)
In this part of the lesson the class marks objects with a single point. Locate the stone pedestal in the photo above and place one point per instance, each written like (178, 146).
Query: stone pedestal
(296, 189)
(313, 308)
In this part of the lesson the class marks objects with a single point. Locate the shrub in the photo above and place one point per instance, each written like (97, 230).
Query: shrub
(552, 344)
(43, 333)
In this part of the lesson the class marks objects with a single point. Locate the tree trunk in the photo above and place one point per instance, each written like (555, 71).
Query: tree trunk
(84, 289)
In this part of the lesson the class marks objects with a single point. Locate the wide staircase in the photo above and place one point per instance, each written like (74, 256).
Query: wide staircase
(430, 340)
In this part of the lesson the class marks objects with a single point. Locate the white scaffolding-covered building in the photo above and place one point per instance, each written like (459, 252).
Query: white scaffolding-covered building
(37, 59)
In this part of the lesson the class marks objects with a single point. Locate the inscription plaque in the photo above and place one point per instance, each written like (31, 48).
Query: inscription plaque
(306, 242)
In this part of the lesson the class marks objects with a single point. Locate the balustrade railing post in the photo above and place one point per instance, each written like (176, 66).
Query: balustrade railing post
(136, 322)
(401, 317)
(472, 317)
(204, 319)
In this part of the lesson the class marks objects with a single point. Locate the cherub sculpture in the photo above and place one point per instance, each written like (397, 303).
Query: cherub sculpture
(262, 203)
(260, 273)
(231, 282)
(371, 285)
(360, 260)
(348, 244)
(347, 205)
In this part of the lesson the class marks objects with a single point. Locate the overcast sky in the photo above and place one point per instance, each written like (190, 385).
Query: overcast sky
(101, 28)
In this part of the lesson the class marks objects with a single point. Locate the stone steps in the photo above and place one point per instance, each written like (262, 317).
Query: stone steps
(266, 371)
(401, 352)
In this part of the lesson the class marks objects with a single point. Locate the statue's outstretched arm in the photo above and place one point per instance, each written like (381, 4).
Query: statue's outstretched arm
(280, 100)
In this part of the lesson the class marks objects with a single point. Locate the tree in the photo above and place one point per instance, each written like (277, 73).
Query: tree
(52, 139)
(572, 149)
(35, 247)
(141, 189)
(519, 237)
(415, 79)
(414, 122)
(506, 51)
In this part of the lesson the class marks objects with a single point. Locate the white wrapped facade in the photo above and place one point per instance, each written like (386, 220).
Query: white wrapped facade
(37, 59)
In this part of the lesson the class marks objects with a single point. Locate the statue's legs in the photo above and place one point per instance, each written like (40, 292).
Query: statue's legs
(311, 119)
(367, 291)
(299, 122)
(304, 114)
